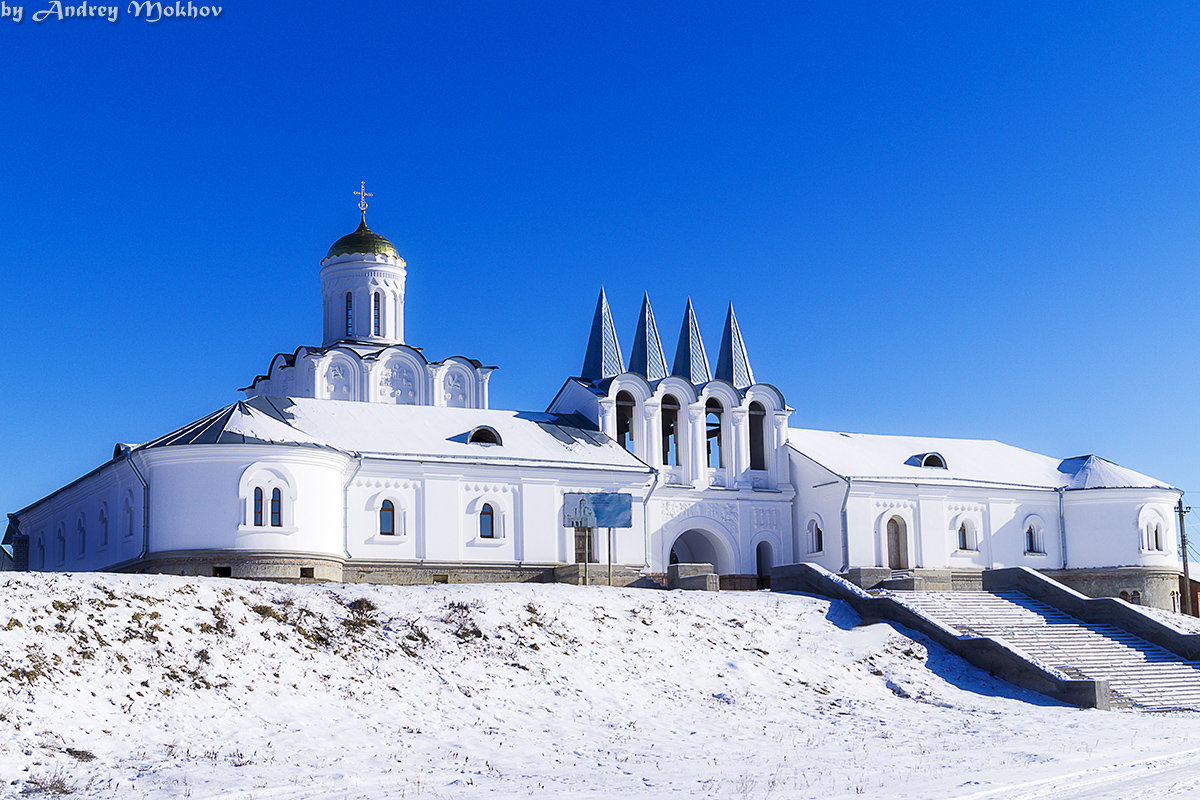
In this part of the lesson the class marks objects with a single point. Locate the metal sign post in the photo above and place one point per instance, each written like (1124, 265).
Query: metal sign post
(610, 555)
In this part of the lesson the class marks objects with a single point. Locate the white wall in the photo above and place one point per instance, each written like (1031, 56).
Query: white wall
(441, 505)
(1103, 528)
(819, 495)
(201, 497)
(113, 489)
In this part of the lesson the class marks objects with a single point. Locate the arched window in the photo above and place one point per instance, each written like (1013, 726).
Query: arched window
(266, 495)
(349, 315)
(713, 437)
(816, 537)
(625, 420)
(258, 506)
(933, 460)
(1135, 597)
(375, 320)
(81, 534)
(1152, 523)
(670, 431)
(129, 517)
(387, 519)
(487, 522)
(61, 550)
(1033, 538)
(966, 535)
(104, 526)
(758, 436)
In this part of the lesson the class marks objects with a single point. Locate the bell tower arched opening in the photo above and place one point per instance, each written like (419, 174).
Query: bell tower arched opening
(698, 546)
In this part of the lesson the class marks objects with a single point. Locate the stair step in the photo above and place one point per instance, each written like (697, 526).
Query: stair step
(1140, 674)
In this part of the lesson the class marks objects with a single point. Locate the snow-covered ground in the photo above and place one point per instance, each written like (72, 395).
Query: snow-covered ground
(151, 686)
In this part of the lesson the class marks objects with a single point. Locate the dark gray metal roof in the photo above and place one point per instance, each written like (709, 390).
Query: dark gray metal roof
(603, 358)
(691, 362)
(647, 357)
(733, 364)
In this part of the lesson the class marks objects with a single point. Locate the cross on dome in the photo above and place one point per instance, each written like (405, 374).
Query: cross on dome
(363, 194)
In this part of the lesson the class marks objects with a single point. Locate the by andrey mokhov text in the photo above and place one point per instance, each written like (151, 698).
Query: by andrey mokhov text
(146, 10)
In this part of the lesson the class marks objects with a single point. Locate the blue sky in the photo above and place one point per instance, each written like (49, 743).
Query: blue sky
(975, 220)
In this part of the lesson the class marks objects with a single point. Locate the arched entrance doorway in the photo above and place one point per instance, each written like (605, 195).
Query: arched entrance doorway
(697, 547)
(763, 560)
(897, 544)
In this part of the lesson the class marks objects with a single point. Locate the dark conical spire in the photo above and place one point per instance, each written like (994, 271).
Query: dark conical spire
(691, 362)
(647, 358)
(603, 359)
(733, 364)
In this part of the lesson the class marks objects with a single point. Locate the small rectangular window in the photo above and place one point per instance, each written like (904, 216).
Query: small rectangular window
(222, 572)
(307, 572)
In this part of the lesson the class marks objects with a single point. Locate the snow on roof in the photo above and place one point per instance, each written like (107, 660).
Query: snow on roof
(898, 458)
(407, 432)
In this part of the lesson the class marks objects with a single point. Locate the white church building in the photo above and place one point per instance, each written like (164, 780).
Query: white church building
(361, 460)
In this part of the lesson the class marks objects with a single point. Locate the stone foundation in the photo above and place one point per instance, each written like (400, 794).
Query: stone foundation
(678, 572)
(597, 575)
(1159, 588)
(301, 568)
(739, 583)
(249, 566)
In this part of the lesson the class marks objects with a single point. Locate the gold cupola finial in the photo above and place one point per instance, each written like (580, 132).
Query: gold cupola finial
(363, 194)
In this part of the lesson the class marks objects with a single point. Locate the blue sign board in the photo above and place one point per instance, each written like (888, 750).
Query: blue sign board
(604, 510)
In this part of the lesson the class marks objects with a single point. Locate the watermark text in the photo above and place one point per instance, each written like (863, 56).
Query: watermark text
(147, 10)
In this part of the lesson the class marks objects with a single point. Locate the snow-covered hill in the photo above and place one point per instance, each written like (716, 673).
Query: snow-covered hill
(152, 686)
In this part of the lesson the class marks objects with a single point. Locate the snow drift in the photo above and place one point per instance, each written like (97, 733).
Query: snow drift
(158, 686)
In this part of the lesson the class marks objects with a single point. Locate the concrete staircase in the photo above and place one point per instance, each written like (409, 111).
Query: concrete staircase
(1140, 674)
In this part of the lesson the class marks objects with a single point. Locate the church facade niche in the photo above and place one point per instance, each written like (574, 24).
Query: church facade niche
(403, 378)
(454, 383)
(340, 378)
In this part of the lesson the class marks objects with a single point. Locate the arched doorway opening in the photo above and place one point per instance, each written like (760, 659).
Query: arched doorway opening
(897, 544)
(697, 547)
(764, 559)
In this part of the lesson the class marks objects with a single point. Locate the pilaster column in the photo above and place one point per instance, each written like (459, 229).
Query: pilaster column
(697, 459)
(778, 460)
(608, 417)
(738, 468)
(652, 428)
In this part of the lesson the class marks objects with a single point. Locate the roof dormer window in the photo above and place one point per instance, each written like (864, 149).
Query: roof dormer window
(932, 460)
(484, 435)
